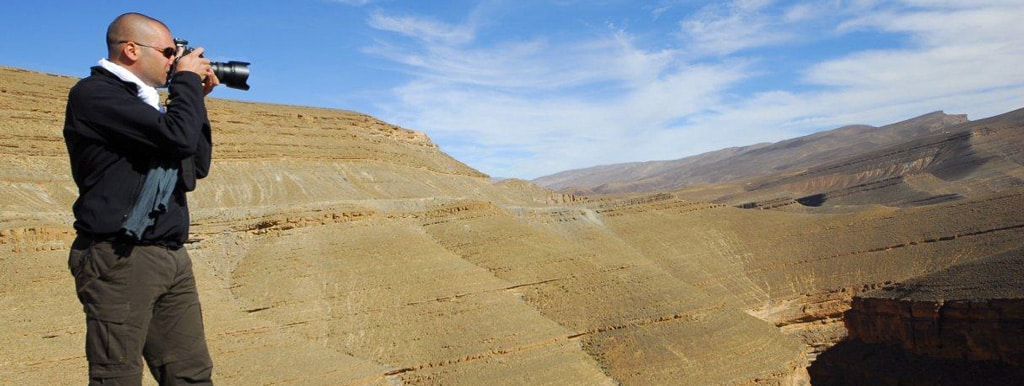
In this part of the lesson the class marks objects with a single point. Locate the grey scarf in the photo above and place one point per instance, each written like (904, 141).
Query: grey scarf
(153, 199)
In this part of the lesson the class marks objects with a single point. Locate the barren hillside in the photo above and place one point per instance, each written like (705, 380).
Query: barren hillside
(971, 159)
(740, 163)
(332, 248)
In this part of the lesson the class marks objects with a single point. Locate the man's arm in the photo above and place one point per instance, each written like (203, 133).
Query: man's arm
(204, 155)
(118, 119)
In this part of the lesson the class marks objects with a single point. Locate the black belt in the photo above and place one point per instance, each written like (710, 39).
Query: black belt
(121, 241)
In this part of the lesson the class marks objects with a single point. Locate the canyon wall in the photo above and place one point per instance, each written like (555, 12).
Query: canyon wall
(972, 330)
(963, 325)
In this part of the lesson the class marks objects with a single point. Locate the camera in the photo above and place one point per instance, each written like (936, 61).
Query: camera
(233, 74)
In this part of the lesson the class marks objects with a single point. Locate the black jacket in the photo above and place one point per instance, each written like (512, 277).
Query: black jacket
(112, 136)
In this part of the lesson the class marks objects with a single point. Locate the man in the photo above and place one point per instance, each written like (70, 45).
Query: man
(133, 160)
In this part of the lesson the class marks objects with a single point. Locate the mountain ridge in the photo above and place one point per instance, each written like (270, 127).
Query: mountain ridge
(744, 162)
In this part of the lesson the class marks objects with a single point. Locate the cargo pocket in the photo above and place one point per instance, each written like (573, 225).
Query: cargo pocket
(103, 280)
(108, 339)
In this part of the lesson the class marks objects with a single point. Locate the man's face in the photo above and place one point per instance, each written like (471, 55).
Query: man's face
(154, 64)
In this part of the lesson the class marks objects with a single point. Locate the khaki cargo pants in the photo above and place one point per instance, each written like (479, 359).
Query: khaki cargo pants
(140, 303)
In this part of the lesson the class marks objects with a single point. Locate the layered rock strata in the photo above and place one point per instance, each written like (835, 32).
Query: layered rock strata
(960, 326)
(973, 311)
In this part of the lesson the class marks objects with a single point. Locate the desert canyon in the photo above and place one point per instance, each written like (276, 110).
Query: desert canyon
(332, 248)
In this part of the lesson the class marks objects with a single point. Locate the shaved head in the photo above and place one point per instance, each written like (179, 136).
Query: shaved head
(131, 26)
(142, 45)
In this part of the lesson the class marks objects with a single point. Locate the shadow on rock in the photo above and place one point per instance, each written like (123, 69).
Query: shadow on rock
(853, 362)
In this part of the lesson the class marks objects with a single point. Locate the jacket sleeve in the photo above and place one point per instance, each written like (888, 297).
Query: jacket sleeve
(204, 153)
(119, 119)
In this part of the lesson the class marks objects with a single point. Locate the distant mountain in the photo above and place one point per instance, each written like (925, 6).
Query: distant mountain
(962, 161)
(745, 162)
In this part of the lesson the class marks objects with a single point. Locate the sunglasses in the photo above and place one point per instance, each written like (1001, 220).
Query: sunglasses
(168, 52)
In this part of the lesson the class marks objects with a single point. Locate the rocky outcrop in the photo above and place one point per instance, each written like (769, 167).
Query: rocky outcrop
(973, 330)
(972, 311)
(961, 325)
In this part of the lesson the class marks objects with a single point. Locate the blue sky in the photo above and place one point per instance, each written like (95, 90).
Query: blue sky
(526, 88)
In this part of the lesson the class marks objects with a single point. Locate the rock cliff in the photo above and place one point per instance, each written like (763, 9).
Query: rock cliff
(972, 311)
(961, 325)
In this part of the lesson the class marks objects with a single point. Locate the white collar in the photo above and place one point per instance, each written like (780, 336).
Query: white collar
(146, 92)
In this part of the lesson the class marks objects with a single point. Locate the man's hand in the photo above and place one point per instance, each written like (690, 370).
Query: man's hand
(201, 66)
(192, 62)
(210, 82)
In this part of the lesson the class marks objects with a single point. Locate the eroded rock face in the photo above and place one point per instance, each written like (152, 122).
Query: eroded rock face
(961, 325)
(972, 311)
(973, 330)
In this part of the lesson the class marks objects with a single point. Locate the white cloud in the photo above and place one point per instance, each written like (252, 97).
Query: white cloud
(722, 30)
(428, 30)
(554, 105)
(533, 106)
(957, 54)
(355, 3)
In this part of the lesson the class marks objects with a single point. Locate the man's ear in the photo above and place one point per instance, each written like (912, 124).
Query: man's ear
(130, 51)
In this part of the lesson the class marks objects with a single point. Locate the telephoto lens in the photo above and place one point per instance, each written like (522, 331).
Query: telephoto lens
(233, 74)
